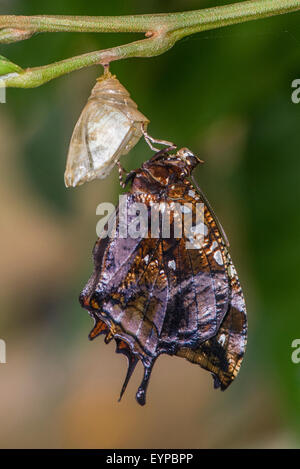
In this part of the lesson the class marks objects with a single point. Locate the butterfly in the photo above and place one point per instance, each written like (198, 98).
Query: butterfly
(176, 294)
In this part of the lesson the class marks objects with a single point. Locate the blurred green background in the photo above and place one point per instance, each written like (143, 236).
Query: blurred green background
(226, 94)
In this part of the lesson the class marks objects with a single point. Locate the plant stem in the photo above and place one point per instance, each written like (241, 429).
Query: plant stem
(162, 31)
(37, 76)
(191, 21)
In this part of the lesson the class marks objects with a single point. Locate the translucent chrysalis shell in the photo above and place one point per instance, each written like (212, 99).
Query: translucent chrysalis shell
(108, 127)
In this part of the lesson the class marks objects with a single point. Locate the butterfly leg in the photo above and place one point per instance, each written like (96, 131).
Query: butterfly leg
(151, 140)
(163, 152)
(122, 173)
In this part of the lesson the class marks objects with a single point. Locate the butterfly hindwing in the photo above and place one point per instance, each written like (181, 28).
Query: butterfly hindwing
(222, 354)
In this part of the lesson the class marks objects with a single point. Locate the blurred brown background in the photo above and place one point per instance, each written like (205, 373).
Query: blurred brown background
(226, 94)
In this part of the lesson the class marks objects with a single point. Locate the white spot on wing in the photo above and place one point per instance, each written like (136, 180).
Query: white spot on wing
(146, 259)
(214, 245)
(222, 339)
(172, 264)
(194, 244)
(231, 271)
(218, 257)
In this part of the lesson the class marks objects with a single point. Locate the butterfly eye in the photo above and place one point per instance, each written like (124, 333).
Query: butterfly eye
(185, 153)
(109, 126)
(188, 157)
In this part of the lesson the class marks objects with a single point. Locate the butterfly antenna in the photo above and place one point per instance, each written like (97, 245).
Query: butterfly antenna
(132, 362)
(220, 227)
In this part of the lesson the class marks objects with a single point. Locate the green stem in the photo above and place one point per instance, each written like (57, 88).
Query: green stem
(211, 18)
(163, 31)
(37, 76)
(191, 21)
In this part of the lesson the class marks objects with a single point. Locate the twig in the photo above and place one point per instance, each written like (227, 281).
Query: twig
(162, 32)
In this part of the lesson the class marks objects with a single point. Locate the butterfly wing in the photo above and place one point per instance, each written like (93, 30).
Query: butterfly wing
(128, 292)
(197, 276)
(222, 355)
(157, 296)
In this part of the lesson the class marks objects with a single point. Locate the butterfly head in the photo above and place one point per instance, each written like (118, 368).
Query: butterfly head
(188, 158)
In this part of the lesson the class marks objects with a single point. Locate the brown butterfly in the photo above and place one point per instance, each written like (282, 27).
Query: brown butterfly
(177, 294)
